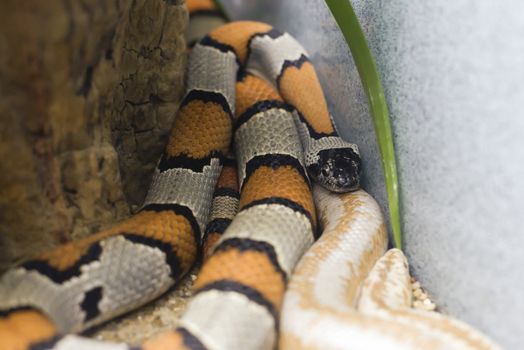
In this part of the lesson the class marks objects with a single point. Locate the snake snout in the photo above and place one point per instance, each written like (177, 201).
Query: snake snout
(338, 170)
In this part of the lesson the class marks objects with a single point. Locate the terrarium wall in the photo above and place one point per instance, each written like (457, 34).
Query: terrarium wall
(452, 73)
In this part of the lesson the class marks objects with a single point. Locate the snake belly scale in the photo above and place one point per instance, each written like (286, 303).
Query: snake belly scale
(86, 282)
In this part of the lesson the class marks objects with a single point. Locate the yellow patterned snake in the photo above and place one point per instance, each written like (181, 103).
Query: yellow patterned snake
(347, 292)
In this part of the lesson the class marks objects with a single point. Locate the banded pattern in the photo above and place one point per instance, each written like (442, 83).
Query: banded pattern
(224, 206)
(380, 316)
(76, 285)
(204, 17)
(281, 60)
(86, 282)
(239, 290)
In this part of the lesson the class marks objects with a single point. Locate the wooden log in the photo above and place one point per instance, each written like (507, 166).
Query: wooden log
(88, 90)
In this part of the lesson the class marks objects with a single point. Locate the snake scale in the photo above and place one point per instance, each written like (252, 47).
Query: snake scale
(371, 305)
(253, 218)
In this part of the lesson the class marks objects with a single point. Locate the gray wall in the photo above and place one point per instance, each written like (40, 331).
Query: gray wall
(453, 73)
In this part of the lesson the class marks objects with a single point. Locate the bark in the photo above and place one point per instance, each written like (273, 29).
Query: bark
(88, 90)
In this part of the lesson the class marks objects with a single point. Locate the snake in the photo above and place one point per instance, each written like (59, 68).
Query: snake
(368, 300)
(245, 81)
(252, 148)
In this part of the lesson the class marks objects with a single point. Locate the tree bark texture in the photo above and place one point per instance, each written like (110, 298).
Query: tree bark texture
(88, 91)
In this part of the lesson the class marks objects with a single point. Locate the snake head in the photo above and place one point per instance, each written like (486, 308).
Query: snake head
(337, 169)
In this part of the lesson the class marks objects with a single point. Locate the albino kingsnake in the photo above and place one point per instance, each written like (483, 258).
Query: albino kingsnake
(240, 288)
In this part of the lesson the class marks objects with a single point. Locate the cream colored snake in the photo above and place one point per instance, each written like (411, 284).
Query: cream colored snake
(348, 292)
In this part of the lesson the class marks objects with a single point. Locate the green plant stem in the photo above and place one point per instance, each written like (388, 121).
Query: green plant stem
(350, 27)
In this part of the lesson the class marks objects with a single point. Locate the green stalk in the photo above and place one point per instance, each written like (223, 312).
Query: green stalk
(350, 27)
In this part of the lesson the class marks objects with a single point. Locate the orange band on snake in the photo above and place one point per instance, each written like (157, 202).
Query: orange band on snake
(277, 141)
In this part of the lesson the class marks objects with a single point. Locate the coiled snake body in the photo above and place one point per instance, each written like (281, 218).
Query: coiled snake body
(349, 293)
(281, 135)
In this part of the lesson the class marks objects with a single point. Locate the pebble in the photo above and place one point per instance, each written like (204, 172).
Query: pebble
(421, 299)
(429, 306)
